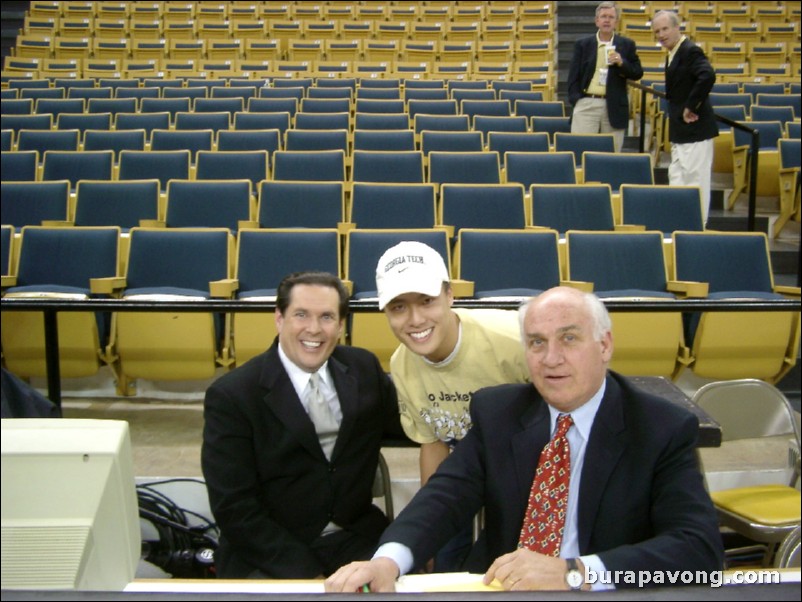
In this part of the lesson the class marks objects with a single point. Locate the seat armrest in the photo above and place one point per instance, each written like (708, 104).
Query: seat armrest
(223, 289)
(789, 291)
(462, 288)
(152, 223)
(349, 286)
(247, 223)
(688, 288)
(581, 285)
(630, 228)
(8, 281)
(57, 223)
(106, 286)
(344, 227)
(448, 229)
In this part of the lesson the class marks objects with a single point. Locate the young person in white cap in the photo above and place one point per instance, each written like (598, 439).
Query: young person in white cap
(445, 356)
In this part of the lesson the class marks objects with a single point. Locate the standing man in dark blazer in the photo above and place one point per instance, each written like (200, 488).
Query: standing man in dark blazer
(597, 80)
(691, 121)
(635, 497)
(292, 498)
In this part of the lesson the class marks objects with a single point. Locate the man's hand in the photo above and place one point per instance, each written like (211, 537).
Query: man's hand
(378, 575)
(689, 116)
(523, 570)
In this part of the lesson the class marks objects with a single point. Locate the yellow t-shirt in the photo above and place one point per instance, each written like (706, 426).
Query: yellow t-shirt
(434, 400)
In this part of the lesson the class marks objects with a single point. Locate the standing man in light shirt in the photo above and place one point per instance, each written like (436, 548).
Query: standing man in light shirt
(597, 79)
(691, 121)
(445, 355)
(636, 499)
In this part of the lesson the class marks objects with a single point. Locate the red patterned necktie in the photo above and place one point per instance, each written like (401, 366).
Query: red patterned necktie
(544, 521)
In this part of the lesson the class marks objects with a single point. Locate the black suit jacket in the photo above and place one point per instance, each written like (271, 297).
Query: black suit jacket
(643, 505)
(271, 488)
(689, 80)
(583, 67)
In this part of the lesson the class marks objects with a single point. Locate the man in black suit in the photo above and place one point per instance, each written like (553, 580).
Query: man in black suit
(691, 121)
(291, 492)
(635, 498)
(597, 79)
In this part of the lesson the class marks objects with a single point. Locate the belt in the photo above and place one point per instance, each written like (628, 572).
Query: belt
(594, 95)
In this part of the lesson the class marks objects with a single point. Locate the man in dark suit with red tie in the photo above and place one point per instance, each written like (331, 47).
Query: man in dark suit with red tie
(294, 499)
(636, 499)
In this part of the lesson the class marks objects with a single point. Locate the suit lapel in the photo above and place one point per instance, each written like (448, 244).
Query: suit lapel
(348, 394)
(283, 402)
(607, 442)
(529, 442)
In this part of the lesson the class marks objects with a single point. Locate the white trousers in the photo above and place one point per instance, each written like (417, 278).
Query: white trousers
(692, 165)
(590, 117)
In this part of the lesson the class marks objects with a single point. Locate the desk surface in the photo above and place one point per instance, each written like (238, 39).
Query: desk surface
(709, 429)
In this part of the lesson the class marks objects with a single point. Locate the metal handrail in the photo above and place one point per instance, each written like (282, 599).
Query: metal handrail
(754, 146)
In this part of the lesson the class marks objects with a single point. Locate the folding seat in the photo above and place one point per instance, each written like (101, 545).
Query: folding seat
(788, 182)
(317, 140)
(143, 121)
(464, 168)
(754, 413)
(378, 93)
(273, 105)
(662, 208)
(262, 121)
(780, 100)
(492, 206)
(616, 169)
(162, 165)
(565, 207)
(264, 258)
(297, 92)
(42, 92)
(215, 122)
(29, 203)
(726, 345)
(522, 142)
(507, 263)
(19, 166)
(309, 165)
(78, 165)
(326, 105)
(300, 204)
(319, 30)
(162, 105)
(112, 105)
(363, 248)
(489, 123)
(388, 166)
(116, 83)
(121, 203)
(87, 93)
(323, 121)
(460, 95)
(439, 123)
(330, 92)
(233, 165)
(191, 140)
(392, 206)
(431, 107)
(6, 249)
(539, 108)
(95, 140)
(783, 114)
(450, 141)
(55, 106)
(391, 82)
(384, 140)
(7, 141)
(66, 263)
(209, 204)
(718, 99)
(768, 161)
(218, 105)
(243, 92)
(755, 88)
(631, 265)
(381, 121)
(579, 143)
(43, 140)
(249, 140)
(178, 263)
(17, 106)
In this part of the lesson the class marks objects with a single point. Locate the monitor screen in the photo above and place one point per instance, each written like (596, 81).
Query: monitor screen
(70, 517)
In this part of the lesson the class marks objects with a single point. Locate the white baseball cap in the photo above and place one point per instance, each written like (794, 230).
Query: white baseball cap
(410, 267)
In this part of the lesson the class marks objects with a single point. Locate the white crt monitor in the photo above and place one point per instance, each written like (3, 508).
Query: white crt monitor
(70, 516)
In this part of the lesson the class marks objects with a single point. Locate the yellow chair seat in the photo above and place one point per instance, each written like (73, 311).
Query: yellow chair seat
(766, 504)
